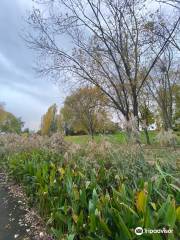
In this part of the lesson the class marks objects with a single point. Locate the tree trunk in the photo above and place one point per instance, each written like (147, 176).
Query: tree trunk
(128, 130)
(91, 132)
(147, 136)
(166, 121)
(135, 110)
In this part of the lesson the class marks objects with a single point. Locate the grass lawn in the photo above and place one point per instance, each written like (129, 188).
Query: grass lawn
(119, 137)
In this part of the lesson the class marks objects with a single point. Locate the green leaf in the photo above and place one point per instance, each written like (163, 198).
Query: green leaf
(170, 216)
(162, 210)
(178, 214)
(71, 237)
(175, 187)
(130, 209)
(80, 220)
(120, 224)
(105, 227)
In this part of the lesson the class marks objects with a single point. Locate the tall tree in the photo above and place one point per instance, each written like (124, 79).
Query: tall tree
(9, 123)
(162, 85)
(172, 3)
(146, 118)
(176, 117)
(113, 43)
(85, 111)
(49, 121)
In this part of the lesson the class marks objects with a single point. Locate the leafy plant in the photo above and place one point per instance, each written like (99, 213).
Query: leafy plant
(99, 192)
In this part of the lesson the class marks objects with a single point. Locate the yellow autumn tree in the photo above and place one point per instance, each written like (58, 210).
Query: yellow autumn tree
(49, 121)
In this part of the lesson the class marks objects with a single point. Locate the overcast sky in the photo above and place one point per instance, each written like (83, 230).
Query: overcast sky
(24, 94)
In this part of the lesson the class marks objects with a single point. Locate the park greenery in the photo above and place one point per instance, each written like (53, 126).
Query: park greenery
(107, 160)
(84, 112)
(9, 123)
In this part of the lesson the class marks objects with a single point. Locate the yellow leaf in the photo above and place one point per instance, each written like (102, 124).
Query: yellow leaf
(75, 217)
(76, 193)
(61, 170)
(178, 213)
(153, 205)
(141, 201)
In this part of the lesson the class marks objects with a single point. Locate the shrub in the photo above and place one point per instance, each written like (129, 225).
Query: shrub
(166, 138)
(13, 143)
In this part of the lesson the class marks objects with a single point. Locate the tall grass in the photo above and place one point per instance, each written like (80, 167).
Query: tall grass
(101, 191)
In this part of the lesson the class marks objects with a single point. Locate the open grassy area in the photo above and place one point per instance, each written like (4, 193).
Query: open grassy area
(119, 137)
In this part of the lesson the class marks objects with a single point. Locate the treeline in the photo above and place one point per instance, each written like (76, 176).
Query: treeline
(87, 111)
(84, 112)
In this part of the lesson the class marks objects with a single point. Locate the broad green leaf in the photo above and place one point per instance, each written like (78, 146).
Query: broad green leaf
(120, 224)
(71, 237)
(170, 216)
(105, 227)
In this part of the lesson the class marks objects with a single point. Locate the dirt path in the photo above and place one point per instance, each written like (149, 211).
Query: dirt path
(11, 218)
(17, 220)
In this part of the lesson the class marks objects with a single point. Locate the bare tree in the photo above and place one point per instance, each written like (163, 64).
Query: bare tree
(114, 45)
(162, 85)
(172, 3)
(146, 112)
(166, 25)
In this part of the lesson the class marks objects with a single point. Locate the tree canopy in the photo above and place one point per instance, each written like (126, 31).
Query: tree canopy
(9, 123)
(49, 121)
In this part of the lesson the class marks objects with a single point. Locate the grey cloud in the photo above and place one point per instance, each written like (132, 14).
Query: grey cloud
(25, 94)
